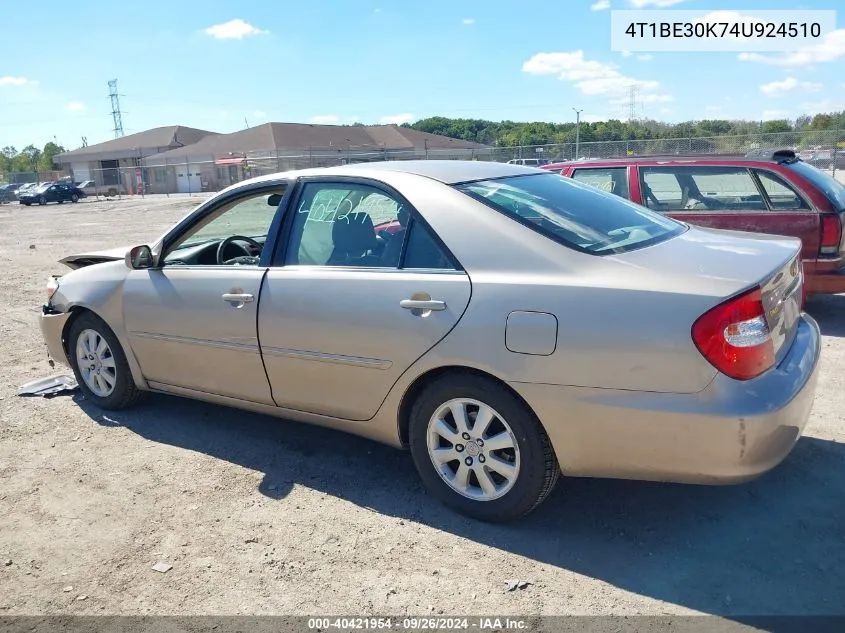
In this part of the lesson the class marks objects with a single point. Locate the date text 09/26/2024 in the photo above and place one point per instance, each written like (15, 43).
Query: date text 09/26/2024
(417, 624)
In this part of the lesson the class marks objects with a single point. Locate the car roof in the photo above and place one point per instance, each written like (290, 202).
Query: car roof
(446, 171)
(710, 160)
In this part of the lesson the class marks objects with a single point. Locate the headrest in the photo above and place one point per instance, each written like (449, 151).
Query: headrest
(354, 232)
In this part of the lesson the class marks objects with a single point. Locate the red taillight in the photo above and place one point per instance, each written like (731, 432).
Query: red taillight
(831, 234)
(734, 336)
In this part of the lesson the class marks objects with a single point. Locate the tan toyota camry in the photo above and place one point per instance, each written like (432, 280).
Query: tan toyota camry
(504, 323)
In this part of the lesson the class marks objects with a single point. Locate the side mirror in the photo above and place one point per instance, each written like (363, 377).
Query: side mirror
(139, 257)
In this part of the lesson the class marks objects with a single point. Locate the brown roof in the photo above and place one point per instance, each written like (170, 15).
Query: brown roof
(302, 136)
(145, 143)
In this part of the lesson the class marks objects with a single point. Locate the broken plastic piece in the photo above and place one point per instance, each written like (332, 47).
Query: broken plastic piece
(48, 387)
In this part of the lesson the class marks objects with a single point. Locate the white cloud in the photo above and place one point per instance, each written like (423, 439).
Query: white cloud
(645, 58)
(829, 49)
(324, 119)
(790, 84)
(376, 10)
(601, 5)
(590, 77)
(774, 115)
(627, 54)
(75, 106)
(397, 119)
(825, 105)
(11, 80)
(233, 30)
(641, 4)
(593, 118)
(666, 110)
(259, 114)
(468, 21)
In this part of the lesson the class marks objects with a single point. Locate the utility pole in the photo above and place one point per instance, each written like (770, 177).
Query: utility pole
(577, 131)
(115, 109)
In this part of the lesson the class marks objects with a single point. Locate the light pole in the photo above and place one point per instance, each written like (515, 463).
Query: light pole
(577, 130)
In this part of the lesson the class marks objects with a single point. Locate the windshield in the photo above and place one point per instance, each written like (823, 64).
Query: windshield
(574, 214)
(43, 187)
(832, 188)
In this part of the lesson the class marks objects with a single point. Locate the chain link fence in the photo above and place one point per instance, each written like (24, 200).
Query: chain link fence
(825, 149)
(199, 174)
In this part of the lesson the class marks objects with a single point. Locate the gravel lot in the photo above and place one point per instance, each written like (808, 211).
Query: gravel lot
(262, 516)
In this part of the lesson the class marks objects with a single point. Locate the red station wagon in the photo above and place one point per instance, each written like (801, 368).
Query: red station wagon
(780, 195)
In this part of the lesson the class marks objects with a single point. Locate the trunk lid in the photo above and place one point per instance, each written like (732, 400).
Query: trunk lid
(721, 263)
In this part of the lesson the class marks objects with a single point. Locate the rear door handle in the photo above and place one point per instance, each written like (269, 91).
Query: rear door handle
(237, 298)
(420, 304)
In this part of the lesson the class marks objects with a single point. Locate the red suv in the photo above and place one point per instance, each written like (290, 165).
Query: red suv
(779, 194)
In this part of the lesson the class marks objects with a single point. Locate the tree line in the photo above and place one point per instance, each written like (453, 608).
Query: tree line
(29, 159)
(513, 133)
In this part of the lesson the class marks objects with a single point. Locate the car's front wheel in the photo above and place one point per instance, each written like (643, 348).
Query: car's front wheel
(42, 200)
(480, 450)
(100, 365)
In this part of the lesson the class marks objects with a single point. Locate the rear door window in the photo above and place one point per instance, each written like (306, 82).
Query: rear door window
(612, 180)
(701, 188)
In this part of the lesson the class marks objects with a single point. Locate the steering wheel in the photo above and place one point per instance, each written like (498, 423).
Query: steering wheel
(252, 259)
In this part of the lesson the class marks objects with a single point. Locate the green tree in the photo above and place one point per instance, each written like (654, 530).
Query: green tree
(45, 161)
(774, 127)
(27, 159)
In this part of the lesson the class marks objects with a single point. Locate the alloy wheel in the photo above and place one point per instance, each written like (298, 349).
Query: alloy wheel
(473, 449)
(96, 363)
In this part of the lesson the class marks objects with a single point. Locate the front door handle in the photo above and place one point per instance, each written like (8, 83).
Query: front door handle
(230, 297)
(422, 304)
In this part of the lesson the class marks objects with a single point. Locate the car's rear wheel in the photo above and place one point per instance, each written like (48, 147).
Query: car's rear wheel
(74, 198)
(100, 365)
(480, 450)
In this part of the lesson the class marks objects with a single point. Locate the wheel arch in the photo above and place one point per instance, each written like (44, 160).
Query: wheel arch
(427, 378)
(78, 310)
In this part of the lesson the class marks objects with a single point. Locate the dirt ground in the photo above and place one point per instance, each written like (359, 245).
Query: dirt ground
(262, 516)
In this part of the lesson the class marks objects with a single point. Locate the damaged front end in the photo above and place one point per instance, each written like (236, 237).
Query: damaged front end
(53, 324)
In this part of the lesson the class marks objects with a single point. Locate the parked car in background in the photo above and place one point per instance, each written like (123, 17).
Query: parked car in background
(51, 192)
(91, 188)
(529, 162)
(519, 325)
(780, 195)
(9, 193)
(27, 186)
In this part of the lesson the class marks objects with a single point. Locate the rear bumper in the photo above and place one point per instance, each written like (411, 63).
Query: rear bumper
(730, 432)
(52, 328)
(827, 280)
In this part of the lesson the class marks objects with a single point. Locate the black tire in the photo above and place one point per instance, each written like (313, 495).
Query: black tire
(125, 394)
(28, 203)
(538, 471)
(74, 198)
(42, 200)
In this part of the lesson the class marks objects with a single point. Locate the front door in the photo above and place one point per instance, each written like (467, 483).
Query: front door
(344, 311)
(192, 321)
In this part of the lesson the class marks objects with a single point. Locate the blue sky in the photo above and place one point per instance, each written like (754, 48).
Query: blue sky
(212, 63)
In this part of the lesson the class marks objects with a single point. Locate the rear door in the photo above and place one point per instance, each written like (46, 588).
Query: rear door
(731, 197)
(344, 312)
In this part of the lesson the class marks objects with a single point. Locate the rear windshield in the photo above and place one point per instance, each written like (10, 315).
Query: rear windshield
(574, 214)
(832, 188)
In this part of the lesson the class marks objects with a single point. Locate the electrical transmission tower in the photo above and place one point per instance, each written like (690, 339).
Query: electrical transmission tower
(115, 109)
(632, 103)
